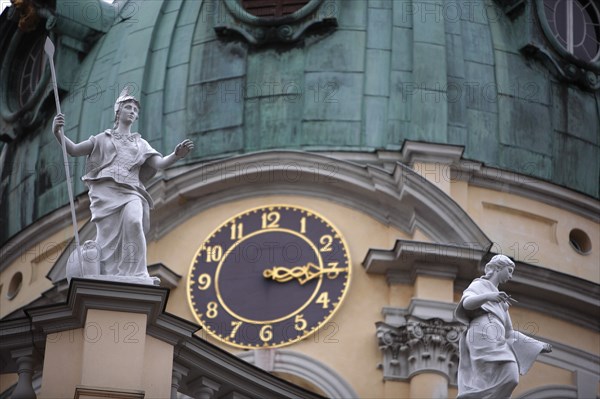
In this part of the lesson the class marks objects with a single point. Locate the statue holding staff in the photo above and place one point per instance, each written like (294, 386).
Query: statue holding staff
(118, 165)
(492, 354)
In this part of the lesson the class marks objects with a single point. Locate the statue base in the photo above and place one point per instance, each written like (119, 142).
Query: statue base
(125, 279)
(90, 269)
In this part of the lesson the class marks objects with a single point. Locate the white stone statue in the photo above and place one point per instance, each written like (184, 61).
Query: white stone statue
(492, 354)
(118, 164)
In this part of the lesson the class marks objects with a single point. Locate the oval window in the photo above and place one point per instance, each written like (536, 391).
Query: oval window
(575, 26)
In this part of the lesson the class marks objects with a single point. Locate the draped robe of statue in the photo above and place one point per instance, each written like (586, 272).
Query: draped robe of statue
(491, 354)
(116, 171)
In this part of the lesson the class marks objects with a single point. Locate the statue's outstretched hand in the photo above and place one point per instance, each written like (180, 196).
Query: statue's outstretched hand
(59, 121)
(184, 148)
(547, 348)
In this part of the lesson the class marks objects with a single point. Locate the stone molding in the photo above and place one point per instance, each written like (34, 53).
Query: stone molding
(423, 309)
(419, 346)
(407, 259)
(96, 392)
(586, 372)
(585, 365)
(210, 362)
(477, 174)
(551, 392)
(168, 278)
(399, 196)
(203, 361)
(303, 366)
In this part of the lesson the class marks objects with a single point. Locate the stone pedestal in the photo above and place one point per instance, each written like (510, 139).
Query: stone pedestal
(111, 355)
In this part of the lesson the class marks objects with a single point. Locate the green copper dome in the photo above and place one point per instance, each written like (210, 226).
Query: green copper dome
(451, 72)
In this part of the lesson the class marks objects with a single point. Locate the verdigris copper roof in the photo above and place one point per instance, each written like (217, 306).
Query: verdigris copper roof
(384, 75)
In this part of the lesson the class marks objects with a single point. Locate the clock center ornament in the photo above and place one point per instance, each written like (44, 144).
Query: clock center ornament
(269, 276)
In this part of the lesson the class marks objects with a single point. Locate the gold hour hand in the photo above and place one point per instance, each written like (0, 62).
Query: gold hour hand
(302, 273)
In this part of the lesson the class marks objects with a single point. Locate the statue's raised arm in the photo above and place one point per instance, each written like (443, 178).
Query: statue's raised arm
(492, 355)
(73, 149)
(118, 165)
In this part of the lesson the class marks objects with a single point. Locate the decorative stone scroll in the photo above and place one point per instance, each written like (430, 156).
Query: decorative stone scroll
(538, 40)
(232, 20)
(419, 346)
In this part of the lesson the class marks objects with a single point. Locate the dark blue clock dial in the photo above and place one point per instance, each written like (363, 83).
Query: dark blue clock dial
(269, 277)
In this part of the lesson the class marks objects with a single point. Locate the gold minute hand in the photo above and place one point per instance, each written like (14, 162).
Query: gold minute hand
(302, 273)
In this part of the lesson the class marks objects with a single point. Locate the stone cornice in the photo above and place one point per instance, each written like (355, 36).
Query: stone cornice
(477, 174)
(529, 187)
(398, 196)
(168, 278)
(15, 335)
(408, 259)
(415, 151)
(423, 309)
(89, 294)
(203, 360)
(195, 355)
(296, 363)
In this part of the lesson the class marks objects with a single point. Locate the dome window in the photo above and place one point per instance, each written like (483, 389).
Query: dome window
(564, 35)
(16, 282)
(32, 71)
(575, 26)
(580, 241)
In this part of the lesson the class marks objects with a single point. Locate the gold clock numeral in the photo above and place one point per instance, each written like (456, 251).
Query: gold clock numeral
(214, 253)
(204, 281)
(237, 231)
(323, 299)
(303, 225)
(266, 333)
(211, 310)
(326, 242)
(300, 323)
(235, 327)
(270, 220)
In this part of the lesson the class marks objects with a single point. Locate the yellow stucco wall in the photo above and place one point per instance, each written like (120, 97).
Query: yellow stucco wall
(62, 364)
(534, 232)
(527, 230)
(33, 263)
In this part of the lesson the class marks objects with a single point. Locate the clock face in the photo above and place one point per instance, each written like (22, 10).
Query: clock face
(269, 277)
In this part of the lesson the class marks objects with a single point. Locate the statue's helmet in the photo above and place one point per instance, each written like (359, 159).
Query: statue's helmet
(123, 97)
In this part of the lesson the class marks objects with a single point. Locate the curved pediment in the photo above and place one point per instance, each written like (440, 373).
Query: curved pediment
(400, 197)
